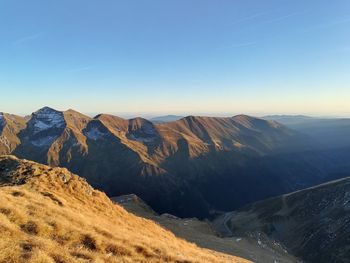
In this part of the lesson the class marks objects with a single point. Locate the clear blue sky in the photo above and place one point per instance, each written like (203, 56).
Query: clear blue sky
(148, 57)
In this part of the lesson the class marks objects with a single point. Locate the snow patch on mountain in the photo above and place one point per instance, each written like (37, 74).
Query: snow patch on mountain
(45, 141)
(148, 129)
(141, 139)
(145, 134)
(47, 118)
(94, 133)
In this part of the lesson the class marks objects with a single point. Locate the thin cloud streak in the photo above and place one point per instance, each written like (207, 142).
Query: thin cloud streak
(246, 44)
(74, 70)
(238, 45)
(26, 39)
(281, 18)
(251, 17)
(277, 19)
(328, 25)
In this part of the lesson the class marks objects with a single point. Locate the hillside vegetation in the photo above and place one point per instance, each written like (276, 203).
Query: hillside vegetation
(51, 215)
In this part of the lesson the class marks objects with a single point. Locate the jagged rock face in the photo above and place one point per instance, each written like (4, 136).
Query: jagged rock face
(96, 131)
(53, 137)
(314, 224)
(142, 130)
(44, 127)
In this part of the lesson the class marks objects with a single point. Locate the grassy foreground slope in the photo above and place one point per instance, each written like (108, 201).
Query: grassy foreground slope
(50, 215)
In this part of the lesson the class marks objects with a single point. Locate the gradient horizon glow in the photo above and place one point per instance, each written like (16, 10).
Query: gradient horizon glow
(176, 57)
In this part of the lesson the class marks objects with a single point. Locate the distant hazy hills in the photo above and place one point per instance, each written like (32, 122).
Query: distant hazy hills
(313, 224)
(166, 118)
(189, 167)
(328, 132)
(51, 215)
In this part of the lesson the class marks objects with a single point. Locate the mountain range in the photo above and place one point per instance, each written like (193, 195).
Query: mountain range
(194, 166)
(268, 191)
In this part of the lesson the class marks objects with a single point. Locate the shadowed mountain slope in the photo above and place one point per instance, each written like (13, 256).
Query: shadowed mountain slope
(312, 224)
(51, 215)
(204, 235)
(53, 137)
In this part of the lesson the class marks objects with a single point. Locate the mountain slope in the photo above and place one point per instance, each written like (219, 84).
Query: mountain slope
(191, 167)
(203, 234)
(51, 215)
(314, 224)
(168, 160)
(10, 126)
(53, 137)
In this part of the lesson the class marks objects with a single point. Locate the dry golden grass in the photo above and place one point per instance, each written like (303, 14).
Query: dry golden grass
(55, 216)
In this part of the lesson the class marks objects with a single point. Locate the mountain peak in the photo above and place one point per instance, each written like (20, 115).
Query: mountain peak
(250, 121)
(142, 130)
(192, 118)
(72, 111)
(108, 116)
(45, 109)
(140, 123)
(44, 127)
(46, 118)
(73, 116)
(139, 120)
